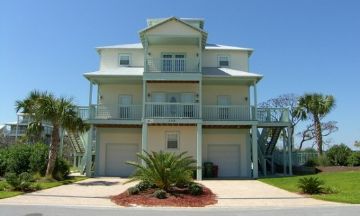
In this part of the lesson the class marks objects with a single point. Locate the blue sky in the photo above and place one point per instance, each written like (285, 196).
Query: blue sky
(300, 46)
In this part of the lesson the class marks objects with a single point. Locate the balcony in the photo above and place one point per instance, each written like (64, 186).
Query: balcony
(101, 112)
(226, 113)
(172, 110)
(172, 65)
(271, 115)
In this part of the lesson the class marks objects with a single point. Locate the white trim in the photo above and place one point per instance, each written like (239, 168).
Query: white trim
(119, 59)
(223, 56)
(167, 133)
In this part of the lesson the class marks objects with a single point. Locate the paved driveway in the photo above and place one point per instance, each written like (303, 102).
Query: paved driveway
(231, 193)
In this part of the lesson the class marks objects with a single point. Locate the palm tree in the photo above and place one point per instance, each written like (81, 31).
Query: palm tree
(315, 106)
(163, 169)
(60, 112)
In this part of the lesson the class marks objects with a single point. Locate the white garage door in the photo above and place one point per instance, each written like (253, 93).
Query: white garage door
(227, 157)
(117, 155)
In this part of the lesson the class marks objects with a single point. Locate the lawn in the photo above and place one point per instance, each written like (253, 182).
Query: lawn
(5, 193)
(347, 185)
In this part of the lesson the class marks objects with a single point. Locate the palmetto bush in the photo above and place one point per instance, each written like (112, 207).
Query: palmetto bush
(163, 169)
(311, 185)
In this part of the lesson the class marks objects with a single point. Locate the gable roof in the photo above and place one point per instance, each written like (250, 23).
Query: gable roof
(203, 33)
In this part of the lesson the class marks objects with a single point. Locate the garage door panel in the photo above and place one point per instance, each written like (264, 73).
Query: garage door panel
(227, 157)
(116, 157)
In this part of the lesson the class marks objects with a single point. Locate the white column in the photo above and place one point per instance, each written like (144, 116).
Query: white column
(284, 151)
(199, 152)
(200, 99)
(254, 151)
(88, 152)
(90, 98)
(144, 99)
(144, 137)
(289, 139)
(255, 101)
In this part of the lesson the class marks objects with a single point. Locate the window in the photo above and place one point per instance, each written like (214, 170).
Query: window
(172, 140)
(223, 61)
(124, 60)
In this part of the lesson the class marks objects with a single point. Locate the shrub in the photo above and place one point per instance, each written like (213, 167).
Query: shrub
(195, 189)
(3, 161)
(312, 162)
(18, 158)
(144, 185)
(323, 160)
(354, 159)
(20, 182)
(61, 169)
(39, 158)
(160, 194)
(133, 190)
(311, 185)
(338, 155)
(164, 169)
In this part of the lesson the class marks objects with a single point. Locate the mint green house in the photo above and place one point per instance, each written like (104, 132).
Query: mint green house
(175, 92)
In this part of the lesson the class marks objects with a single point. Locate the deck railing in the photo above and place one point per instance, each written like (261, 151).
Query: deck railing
(126, 112)
(226, 113)
(172, 110)
(273, 115)
(172, 65)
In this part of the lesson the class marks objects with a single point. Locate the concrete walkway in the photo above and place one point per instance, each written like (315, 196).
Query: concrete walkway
(231, 193)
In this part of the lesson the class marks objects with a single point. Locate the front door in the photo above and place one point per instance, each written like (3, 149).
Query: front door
(159, 99)
(173, 63)
(188, 107)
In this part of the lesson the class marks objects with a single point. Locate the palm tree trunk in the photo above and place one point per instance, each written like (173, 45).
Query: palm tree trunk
(318, 134)
(54, 145)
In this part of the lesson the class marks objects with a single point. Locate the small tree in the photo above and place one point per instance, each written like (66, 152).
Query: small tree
(338, 155)
(315, 106)
(308, 133)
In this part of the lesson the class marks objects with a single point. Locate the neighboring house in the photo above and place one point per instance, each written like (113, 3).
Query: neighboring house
(175, 92)
(18, 129)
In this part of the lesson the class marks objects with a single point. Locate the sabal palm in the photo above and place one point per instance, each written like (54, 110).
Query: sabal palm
(163, 169)
(61, 112)
(315, 106)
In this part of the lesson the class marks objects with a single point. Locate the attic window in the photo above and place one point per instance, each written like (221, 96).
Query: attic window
(124, 60)
(223, 61)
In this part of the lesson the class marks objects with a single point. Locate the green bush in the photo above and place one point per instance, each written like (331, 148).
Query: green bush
(19, 158)
(164, 169)
(39, 158)
(311, 185)
(3, 161)
(133, 190)
(61, 169)
(144, 185)
(160, 194)
(20, 182)
(338, 155)
(323, 160)
(354, 159)
(195, 189)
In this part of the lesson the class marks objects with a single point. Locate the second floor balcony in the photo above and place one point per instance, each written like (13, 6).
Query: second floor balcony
(163, 110)
(172, 64)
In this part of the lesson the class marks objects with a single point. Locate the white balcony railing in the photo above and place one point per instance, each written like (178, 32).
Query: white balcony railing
(273, 114)
(226, 113)
(172, 65)
(126, 112)
(172, 110)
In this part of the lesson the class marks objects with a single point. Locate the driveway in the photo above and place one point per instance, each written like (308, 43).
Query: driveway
(231, 193)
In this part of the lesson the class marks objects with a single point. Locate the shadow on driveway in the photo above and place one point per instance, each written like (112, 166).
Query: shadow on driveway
(97, 183)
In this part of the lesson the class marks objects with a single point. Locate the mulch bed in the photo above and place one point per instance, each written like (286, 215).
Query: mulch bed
(337, 168)
(179, 200)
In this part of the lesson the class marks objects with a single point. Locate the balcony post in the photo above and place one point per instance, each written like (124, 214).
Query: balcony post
(144, 139)
(200, 99)
(144, 100)
(200, 55)
(88, 152)
(199, 152)
(284, 151)
(289, 141)
(145, 55)
(254, 151)
(17, 128)
(255, 101)
(90, 98)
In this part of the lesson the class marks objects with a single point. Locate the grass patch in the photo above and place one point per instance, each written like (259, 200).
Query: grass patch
(346, 185)
(5, 191)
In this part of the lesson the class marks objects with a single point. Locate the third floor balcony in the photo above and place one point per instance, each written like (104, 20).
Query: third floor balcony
(172, 64)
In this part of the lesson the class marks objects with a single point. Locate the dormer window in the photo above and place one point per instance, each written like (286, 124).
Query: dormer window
(124, 60)
(223, 61)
